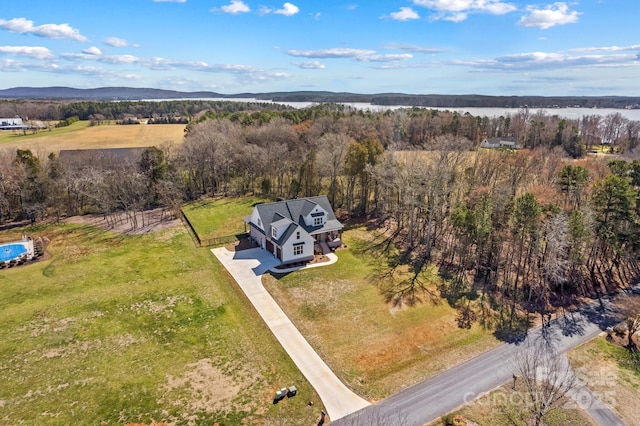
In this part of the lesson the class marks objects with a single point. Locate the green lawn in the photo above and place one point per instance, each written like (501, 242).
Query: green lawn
(6, 137)
(220, 217)
(114, 329)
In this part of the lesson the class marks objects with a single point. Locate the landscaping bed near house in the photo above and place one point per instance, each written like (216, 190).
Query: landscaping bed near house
(114, 329)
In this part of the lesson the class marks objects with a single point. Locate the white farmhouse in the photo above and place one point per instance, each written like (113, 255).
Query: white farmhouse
(291, 229)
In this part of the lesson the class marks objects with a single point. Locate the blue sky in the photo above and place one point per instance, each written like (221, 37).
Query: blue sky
(491, 47)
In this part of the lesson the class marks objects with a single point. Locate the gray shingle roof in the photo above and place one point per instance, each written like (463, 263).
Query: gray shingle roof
(295, 211)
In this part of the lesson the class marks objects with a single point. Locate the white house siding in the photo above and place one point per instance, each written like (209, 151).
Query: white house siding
(308, 219)
(280, 227)
(255, 219)
(257, 236)
(307, 253)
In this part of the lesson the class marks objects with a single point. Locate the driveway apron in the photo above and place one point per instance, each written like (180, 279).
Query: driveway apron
(247, 267)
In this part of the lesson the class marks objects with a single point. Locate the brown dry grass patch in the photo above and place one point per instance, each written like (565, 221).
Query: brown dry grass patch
(375, 347)
(595, 362)
(205, 387)
(104, 136)
(155, 220)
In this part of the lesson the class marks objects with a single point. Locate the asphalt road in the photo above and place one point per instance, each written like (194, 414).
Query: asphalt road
(426, 401)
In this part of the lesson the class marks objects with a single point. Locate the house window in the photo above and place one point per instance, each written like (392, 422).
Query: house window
(259, 222)
(274, 232)
(298, 250)
(318, 221)
(298, 235)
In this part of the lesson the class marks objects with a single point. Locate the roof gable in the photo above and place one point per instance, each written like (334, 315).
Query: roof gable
(279, 213)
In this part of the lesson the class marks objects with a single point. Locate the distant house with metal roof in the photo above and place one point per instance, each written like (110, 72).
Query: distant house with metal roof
(13, 124)
(508, 142)
(292, 229)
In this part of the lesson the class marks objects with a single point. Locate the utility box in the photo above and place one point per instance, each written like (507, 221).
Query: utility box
(281, 393)
(292, 391)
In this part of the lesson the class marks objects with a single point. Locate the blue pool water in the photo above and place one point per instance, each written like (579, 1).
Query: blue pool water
(11, 251)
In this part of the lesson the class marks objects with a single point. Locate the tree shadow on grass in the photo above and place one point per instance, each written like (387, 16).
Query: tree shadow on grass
(515, 332)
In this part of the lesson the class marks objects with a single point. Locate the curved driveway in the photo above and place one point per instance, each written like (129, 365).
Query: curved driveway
(247, 267)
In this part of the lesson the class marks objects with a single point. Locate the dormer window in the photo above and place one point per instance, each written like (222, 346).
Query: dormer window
(317, 221)
(274, 232)
(298, 235)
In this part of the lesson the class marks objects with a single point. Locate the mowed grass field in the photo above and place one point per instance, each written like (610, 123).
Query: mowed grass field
(375, 347)
(80, 135)
(220, 217)
(115, 329)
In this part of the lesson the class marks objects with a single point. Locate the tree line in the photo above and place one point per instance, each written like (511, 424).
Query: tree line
(511, 232)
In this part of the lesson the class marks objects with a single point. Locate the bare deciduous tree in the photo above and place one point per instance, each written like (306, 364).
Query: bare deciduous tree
(547, 378)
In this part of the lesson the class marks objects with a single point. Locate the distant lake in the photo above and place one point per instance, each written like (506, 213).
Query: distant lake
(569, 113)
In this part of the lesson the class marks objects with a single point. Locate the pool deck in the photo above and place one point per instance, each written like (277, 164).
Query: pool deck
(26, 242)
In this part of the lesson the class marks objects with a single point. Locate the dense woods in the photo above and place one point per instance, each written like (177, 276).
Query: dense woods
(511, 232)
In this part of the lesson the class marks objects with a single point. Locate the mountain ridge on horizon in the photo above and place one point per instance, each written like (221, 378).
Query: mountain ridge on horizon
(404, 99)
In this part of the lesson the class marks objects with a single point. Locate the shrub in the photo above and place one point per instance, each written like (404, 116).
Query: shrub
(454, 420)
(67, 122)
(620, 330)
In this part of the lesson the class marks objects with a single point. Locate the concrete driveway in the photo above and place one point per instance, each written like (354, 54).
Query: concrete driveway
(247, 267)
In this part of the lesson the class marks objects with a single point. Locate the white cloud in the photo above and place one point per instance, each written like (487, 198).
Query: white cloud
(331, 53)
(393, 57)
(455, 17)
(310, 65)
(288, 9)
(413, 48)
(533, 61)
(94, 54)
(235, 7)
(549, 16)
(361, 55)
(404, 14)
(36, 52)
(56, 31)
(92, 51)
(10, 65)
(119, 42)
(120, 59)
(458, 10)
(633, 47)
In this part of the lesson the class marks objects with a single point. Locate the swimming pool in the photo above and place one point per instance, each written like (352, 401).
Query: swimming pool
(11, 251)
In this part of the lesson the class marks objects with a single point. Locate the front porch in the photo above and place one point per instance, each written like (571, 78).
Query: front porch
(327, 242)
